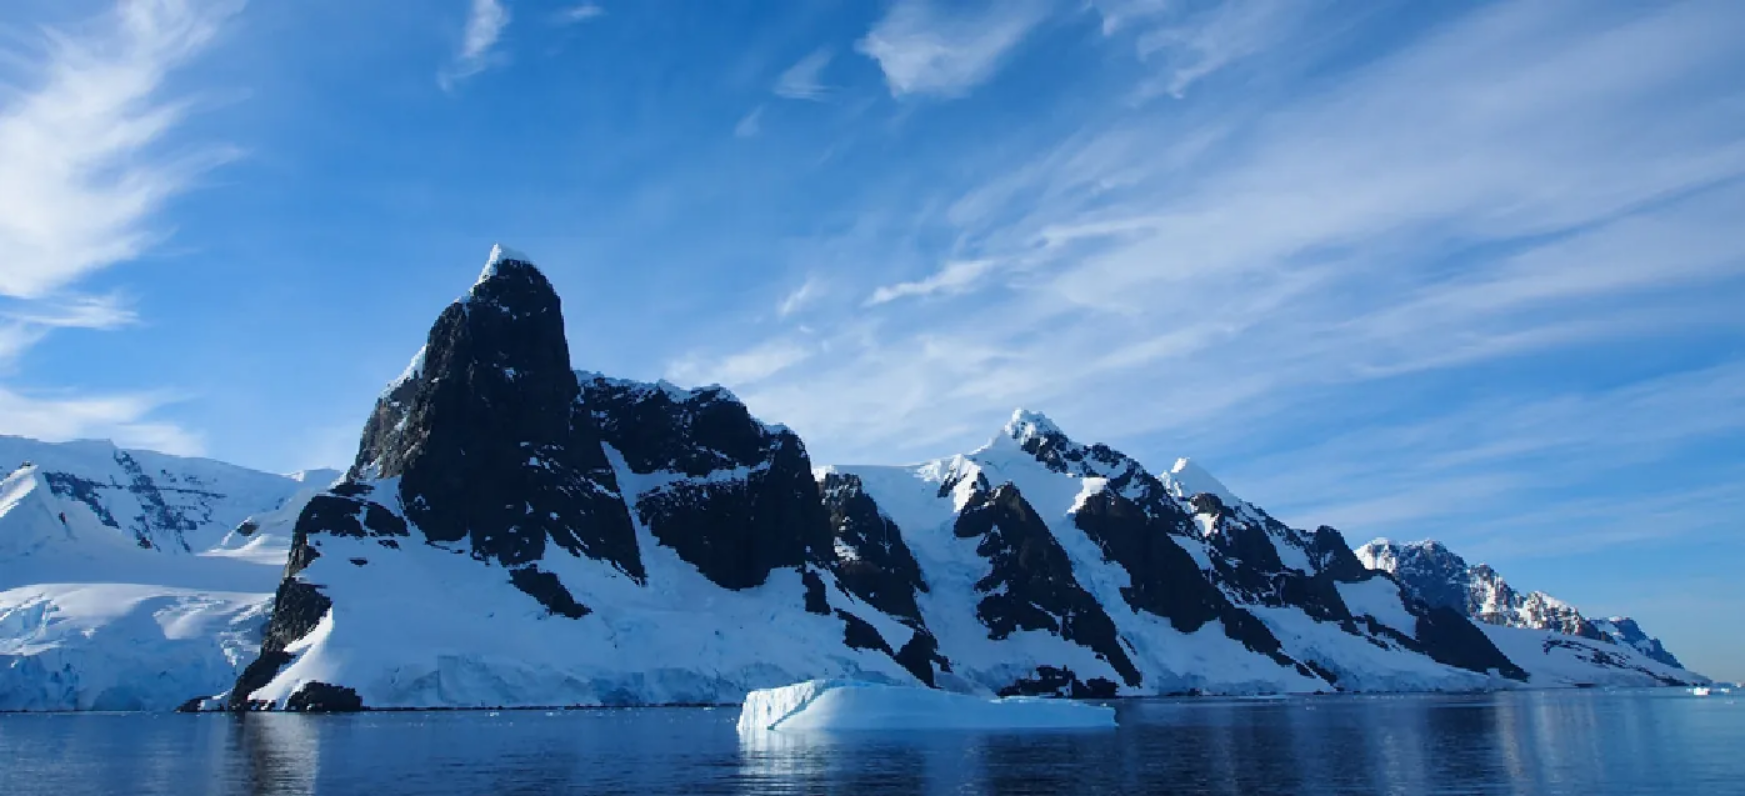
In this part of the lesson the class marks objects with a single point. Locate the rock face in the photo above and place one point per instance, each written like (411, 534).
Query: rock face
(514, 532)
(487, 439)
(732, 496)
(1436, 575)
(619, 537)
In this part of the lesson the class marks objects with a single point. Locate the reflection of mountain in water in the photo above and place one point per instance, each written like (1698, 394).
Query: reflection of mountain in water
(279, 754)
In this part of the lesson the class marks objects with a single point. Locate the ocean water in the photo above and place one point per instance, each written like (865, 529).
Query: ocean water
(1660, 742)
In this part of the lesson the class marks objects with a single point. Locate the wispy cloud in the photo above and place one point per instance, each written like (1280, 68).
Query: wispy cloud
(750, 124)
(86, 167)
(126, 419)
(82, 169)
(486, 20)
(927, 50)
(1475, 197)
(800, 297)
(1193, 48)
(744, 368)
(804, 80)
(955, 277)
(581, 12)
(73, 312)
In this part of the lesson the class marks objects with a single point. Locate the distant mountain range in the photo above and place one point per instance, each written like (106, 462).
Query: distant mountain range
(1434, 574)
(517, 533)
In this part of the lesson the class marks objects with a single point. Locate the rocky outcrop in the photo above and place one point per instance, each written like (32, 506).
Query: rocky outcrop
(734, 497)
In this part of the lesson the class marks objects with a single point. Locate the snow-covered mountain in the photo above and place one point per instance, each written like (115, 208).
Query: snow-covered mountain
(117, 587)
(517, 533)
(1431, 572)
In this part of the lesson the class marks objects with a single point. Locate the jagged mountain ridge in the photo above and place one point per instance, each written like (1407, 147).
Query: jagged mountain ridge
(568, 538)
(1436, 575)
(600, 541)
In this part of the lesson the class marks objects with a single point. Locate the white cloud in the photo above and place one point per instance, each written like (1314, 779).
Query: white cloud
(579, 13)
(125, 419)
(803, 80)
(485, 23)
(82, 170)
(925, 50)
(802, 296)
(86, 167)
(956, 277)
(750, 124)
(744, 368)
(1229, 32)
(1474, 197)
(74, 312)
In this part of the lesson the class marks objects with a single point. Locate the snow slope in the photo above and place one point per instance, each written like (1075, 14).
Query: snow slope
(1554, 659)
(110, 597)
(427, 625)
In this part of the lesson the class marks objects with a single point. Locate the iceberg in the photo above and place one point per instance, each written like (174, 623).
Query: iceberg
(852, 705)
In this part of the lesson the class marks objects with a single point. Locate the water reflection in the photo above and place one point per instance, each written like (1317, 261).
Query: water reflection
(280, 752)
(1532, 742)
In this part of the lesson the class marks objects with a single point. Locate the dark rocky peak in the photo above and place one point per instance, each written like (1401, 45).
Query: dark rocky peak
(732, 496)
(1030, 584)
(663, 427)
(872, 561)
(1332, 554)
(485, 436)
(1036, 435)
(1164, 579)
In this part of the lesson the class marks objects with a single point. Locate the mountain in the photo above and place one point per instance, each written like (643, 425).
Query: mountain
(1050, 566)
(118, 589)
(514, 532)
(1431, 572)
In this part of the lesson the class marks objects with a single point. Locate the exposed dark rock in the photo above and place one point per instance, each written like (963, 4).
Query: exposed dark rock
(747, 503)
(879, 569)
(1329, 550)
(548, 590)
(920, 654)
(1060, 682)
(159, 523)
(1031, 585)
(486, 437)
(860, 635)
(816, 600)
(1449, 637)
(319, 697)
(297, 608)
(1166, 581)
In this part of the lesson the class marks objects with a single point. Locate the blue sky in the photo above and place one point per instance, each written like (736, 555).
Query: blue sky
(1472, 271)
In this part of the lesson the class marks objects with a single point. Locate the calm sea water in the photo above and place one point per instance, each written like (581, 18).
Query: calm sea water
(1659, 742)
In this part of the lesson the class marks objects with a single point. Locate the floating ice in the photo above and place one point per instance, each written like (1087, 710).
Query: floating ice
(848, 705)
